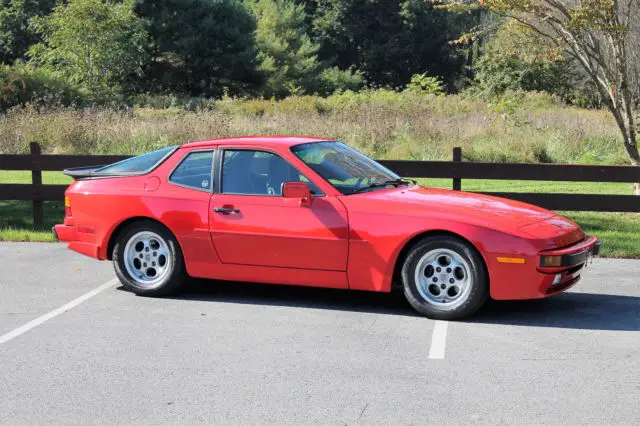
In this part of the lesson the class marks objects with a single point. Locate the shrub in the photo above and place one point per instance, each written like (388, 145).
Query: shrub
(158, 101)
(22, 84)
(424, 83)
(334, 80)
(382, 123)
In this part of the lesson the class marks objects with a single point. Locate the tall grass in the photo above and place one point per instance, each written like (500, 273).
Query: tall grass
(520, 127)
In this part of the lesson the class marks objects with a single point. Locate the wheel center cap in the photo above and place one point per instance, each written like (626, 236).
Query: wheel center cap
(444, 278)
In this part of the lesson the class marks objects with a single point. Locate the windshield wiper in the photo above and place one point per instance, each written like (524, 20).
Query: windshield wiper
(394, 182)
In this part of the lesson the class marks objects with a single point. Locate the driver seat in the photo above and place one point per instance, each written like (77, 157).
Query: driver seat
(279, 172)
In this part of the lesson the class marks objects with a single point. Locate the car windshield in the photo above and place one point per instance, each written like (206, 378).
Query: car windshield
(138, 164)
(348, 170)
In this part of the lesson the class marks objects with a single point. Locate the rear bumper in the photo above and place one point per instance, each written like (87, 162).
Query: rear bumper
(81, 242)
(65, 233)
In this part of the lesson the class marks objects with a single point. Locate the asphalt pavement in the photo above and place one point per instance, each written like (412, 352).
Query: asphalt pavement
(78, 349)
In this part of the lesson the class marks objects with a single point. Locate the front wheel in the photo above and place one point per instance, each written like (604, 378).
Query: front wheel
(147, 259)
(445, 278)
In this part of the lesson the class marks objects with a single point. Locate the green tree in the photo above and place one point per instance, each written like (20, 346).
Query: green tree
(390, 40)
(16, 36)
(201, 47)
(601, 35)
(512, 60)
(96, 44)
(288, 55)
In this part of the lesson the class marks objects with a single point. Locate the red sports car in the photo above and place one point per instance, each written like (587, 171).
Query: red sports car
(314, 212)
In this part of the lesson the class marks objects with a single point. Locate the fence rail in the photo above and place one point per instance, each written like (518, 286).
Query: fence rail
(455, 170)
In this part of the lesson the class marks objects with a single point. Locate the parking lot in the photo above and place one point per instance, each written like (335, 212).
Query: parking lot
(77, 349)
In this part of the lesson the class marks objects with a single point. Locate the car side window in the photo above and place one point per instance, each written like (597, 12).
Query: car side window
(259, 173)
(194, 171)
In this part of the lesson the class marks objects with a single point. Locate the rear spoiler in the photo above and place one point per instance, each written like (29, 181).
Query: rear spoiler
(90, 172)
(81, 172)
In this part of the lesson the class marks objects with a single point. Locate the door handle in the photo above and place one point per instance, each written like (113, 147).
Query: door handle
(225, 210)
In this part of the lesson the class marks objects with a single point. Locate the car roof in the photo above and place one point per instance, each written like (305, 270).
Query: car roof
(285, 141)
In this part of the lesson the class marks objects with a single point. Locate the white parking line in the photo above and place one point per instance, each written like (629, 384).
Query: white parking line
(46, 317)
(438, 340)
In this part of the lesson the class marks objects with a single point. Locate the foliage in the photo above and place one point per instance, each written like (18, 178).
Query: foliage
(390, 40)
(22, 84)
(98, 45)
(425, 84)
(16, 36)
(288, 54)
(165, 102)
(332, 80)
(214, 48)
(600, 35)
(201, 47)
(513, 60)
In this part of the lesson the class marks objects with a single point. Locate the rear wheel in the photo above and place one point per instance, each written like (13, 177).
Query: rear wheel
(445, 278)
(147, 259)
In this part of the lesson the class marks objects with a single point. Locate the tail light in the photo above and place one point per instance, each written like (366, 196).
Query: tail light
(67, 207)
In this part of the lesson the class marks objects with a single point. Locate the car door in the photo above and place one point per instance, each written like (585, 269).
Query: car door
(252, 224)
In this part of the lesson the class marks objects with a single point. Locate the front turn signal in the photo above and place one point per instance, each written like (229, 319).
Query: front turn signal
(551, 261)
(512, 260)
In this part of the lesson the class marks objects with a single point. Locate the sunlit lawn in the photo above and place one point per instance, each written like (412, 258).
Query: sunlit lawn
(620, 232)
(16, 217)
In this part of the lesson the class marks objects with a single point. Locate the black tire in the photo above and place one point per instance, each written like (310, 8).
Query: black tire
(478, 288)
(174, 277)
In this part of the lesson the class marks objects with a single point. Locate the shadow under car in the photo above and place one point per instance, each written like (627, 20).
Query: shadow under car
(571, 310)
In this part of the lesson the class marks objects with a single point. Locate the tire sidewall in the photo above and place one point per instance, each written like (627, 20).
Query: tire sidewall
(170, 282)
(478, 293)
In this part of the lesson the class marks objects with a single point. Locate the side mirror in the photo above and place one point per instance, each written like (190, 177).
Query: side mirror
(298, 190)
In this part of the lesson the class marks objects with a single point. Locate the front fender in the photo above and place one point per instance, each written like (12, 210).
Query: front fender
(375, 249)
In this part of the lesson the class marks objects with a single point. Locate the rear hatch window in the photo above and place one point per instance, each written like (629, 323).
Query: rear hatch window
(139, 164)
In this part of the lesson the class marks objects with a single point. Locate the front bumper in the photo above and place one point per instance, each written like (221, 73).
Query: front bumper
(577, 254)
(532, 281)
(582, 256)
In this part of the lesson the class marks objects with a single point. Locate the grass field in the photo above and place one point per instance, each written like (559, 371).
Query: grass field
(620, 232)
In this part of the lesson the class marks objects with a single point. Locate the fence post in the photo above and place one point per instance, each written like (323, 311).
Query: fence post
(36, 179)
(457, 157)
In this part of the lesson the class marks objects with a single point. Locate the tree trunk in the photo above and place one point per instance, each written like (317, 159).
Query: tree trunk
(631, 145)
(624, 103)
(620, 108)
(630, 137)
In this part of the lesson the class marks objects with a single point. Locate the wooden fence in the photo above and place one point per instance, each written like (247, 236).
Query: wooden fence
(455, 170)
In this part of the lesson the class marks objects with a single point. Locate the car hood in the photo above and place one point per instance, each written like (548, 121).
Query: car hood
(466, 204)
(500, 214)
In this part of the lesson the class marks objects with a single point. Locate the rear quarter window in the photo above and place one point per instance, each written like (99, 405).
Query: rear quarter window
(194, 171)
